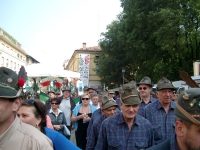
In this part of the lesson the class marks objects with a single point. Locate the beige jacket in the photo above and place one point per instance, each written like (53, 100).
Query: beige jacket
(21, 136)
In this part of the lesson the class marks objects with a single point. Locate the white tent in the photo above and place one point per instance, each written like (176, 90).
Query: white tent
(38, 70)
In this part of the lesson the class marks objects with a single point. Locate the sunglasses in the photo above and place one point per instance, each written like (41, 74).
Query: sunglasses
(57, 94)
(144, 88)
(85, 98)
(54, 103)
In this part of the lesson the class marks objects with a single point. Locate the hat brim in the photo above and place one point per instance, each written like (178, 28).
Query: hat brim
(145, 84)
(133, 100)
(9, 93)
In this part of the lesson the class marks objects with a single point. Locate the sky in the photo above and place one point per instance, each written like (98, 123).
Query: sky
(50, 30)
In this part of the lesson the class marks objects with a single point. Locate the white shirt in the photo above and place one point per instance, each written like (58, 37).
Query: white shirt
(65, 107)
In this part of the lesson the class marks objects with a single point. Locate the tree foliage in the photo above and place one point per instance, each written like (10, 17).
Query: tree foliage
(151, 38)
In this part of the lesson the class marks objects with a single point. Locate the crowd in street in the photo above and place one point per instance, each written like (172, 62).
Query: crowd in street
(129, 119)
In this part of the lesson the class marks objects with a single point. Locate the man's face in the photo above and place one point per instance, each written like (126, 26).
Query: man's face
(144, 90)
(191, 137)
(110, 111)
(51, 95)
(8, 110)
(129, 111)
(95, 100)
(165, 96)
(66, 94)
(91, 91)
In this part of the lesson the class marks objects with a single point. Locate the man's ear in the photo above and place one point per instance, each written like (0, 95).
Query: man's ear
(16, 104)
(180, 128)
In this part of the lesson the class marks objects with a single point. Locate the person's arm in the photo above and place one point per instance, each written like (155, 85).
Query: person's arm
(102, 138)
(76, 118)
(49, 124)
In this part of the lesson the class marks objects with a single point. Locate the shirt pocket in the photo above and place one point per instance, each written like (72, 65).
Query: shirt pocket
(141, 144)
(115, 144)
(157, 132)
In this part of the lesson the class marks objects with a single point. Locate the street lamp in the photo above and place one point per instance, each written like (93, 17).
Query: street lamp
(123, 70)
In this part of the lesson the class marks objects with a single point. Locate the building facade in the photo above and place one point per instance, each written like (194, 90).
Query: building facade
(11, 54)
(84, 61)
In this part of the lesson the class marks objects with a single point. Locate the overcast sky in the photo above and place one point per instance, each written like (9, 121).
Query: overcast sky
(50, 30)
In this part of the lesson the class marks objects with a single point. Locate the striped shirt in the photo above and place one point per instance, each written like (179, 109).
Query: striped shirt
(115, 134)
(163, 123)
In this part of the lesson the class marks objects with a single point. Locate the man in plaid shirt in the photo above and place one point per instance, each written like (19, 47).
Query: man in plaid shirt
(126, 130)
(109, 108)
(161, 113)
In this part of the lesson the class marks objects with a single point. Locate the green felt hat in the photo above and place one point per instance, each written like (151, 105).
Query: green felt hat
(188, 106)
(145, 80)
(108, 102)
(51, 91)
(129, 94)
(66, 88)
(164, 83)
(9, 83)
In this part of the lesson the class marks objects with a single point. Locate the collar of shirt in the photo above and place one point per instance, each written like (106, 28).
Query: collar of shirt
(151, 100)
(159, 106)
(51, 111)
(121, 119)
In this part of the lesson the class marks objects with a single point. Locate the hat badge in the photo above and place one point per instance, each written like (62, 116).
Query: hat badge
(186, 96)
(9, 80)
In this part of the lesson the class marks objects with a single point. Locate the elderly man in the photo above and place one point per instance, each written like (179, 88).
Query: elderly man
(187, 123)
(145, 87)
(15, 134)
(161, 112)
(67, 104)
(109, 108)
(126, 130)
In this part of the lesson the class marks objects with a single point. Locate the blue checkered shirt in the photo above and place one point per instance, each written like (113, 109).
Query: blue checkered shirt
(143, 104)
(94, 132)
(114, 134)
(170, 144)
(163, 124)
(96, 114)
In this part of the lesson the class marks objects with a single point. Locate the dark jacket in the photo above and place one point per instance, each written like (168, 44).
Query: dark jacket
(48, 105)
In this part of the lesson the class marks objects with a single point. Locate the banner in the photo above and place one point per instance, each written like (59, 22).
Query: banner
(84, 68)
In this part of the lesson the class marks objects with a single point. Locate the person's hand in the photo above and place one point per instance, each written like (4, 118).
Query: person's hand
(82, 116)
(57, 127)
(86, 119)
(72, 127)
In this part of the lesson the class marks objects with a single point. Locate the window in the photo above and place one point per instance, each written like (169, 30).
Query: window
(11, 63)
(17, 55)
(15, 66)
(7, 49)
(2, 61)
(6, 62)
(2, 46)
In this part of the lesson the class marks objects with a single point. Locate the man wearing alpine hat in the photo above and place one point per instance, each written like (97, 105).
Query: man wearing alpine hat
(161, 112)
(187, 126)
(15, 134)
(126, 130)
(145, 87)
(109, 108)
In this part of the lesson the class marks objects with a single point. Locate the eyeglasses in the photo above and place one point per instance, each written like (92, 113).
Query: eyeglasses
(85, 98)
(54, 103)
(144, 88)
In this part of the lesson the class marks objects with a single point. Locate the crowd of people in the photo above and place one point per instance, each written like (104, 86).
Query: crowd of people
(129, 119)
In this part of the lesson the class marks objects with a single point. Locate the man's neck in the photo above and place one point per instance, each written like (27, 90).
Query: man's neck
(129, 122)
(165, 106)
(146, 99)
(66, 97)
(6, 124)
